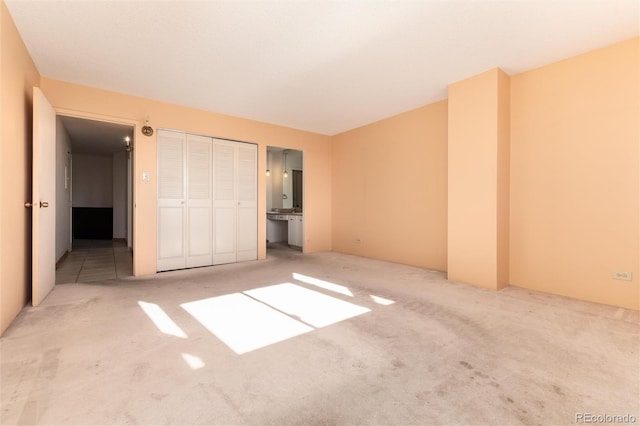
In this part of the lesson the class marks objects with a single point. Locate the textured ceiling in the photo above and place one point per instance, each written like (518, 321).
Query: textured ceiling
(318, 65)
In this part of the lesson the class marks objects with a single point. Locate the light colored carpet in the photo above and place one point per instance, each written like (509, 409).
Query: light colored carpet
(345, 340)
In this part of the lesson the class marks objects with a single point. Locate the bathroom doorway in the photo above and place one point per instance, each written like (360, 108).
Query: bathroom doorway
(285, 199)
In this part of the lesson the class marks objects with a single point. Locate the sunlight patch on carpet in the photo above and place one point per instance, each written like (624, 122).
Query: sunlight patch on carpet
(242, 323)
(323, 284)
(161, 320)
(193, 361)
(381, 300)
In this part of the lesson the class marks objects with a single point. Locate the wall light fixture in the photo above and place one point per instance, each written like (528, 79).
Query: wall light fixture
(268, 163)
(284, 154)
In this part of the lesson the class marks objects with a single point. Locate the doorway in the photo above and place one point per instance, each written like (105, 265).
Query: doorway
(296, 188)
(93, 199)
(285, 199)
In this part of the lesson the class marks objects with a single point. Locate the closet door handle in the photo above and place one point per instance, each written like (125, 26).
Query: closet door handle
(44, 204)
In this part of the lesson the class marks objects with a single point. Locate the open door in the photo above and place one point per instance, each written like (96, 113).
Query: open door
(43, 197)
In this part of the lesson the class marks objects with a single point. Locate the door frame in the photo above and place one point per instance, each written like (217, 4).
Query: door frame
(130, 207)
(268, 182)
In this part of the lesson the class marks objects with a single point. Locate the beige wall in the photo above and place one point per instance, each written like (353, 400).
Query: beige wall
(18, 75)
(503, 208)
(390, 189)
(574, 176)
(478, 192)
(119, 197)
(92, 180)
(554, 184)
(90, 102)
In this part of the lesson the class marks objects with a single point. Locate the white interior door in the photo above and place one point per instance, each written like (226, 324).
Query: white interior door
(171, 201)
(199, 244)
(129, 201)
(247, 202)
(224, 202)
(43, 198)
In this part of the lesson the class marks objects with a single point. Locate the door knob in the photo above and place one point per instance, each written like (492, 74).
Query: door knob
(44, 204)
(28, 204)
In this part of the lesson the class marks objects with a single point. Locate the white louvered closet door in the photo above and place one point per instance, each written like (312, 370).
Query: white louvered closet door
(247, 202)
(171, 252)
(224, 202)
(198, 213)
(207, 201)
(235, 202)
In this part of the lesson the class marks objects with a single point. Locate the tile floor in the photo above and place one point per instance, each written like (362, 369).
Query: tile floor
(93, 260)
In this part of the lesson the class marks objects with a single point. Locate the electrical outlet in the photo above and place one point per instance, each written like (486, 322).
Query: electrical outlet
(620, 275)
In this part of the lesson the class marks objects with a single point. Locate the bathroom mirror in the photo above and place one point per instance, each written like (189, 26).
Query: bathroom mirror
(284, 179)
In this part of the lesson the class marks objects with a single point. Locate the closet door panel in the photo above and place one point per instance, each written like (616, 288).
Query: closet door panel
(247, 201)
(247, 233)
(199, 168)
(224, 235)
(199, 217)
(224, 185)
(224, 202)
(171, 238)
(171, 203)
(199, 252)
(247, 173)
(171, 165)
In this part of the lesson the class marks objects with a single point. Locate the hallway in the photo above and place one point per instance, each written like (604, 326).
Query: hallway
(95, 260)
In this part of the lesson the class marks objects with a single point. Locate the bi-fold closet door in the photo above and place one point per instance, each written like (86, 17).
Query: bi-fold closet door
(207, 201)
(184, 201)
(235, 203)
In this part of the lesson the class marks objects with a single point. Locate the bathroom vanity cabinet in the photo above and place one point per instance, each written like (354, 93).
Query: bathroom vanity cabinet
(285, 227)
